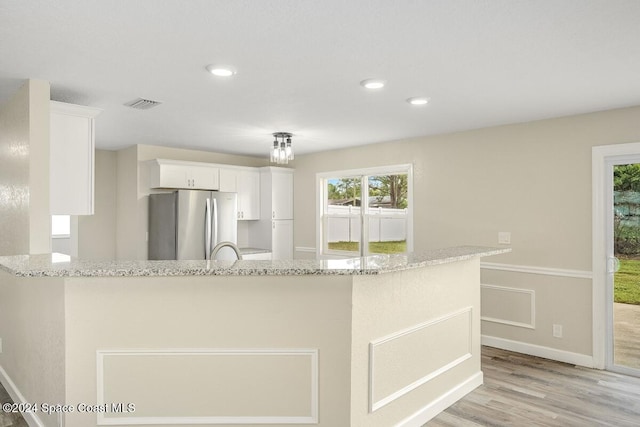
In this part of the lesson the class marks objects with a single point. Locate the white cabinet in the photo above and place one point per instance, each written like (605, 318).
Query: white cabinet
(282, 239)
(180, 174)
(276, 189)
(274, 231)
(245, 182)
(71, 151)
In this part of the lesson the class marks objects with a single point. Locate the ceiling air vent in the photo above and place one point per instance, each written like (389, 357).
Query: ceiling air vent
(142, 104)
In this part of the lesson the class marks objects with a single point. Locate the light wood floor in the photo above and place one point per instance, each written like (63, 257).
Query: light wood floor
(522, 390)
(9, 419)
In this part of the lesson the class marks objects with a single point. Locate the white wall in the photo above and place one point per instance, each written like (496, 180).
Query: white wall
(25, 224)
(39, 121)
(531, 179)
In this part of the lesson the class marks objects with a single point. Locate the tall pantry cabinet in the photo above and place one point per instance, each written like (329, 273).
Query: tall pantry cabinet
(276, 212)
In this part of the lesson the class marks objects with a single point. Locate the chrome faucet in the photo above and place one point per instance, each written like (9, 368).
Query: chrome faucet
(221, 245)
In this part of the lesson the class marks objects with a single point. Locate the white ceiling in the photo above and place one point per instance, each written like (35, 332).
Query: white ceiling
(299, 62)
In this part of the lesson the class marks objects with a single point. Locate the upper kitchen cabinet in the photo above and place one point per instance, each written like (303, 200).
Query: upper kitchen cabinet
(276, 188)
(181, 174)
(245, 182)
(71, 151)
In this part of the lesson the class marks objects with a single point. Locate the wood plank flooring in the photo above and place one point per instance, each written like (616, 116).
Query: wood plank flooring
(9, 419)
(521, 390)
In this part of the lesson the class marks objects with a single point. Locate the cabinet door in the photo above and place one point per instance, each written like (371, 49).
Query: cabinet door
(246, 183)
(71, 173)
(282, 196)
(186, 175)
(229, 181)
(282, 239)
(203, 177)
(174, 176)
(249, 194)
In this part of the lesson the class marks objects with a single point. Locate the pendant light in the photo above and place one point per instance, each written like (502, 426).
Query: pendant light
(282, 151)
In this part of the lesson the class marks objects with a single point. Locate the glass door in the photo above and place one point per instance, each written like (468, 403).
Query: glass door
(624, 264)
(366, 212)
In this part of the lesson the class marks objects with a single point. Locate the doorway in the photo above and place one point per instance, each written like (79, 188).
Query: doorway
(616, 258)
(624, 319)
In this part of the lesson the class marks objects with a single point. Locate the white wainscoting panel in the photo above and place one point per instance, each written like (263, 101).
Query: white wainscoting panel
(407, 359)
(208, 386)
(509, 306)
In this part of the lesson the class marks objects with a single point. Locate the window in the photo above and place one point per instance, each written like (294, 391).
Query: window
(365, 212)
(60, 225)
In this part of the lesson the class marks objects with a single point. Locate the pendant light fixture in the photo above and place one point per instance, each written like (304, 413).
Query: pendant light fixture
(282, 151)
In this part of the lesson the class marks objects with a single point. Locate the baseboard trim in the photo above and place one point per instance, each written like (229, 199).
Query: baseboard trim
(539, 351)
(30, 417)
(418, 419)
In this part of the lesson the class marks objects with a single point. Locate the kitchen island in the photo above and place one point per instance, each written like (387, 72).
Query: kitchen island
(375, 341)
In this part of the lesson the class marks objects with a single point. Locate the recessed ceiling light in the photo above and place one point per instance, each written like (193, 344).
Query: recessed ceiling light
(221, 70)
(373, 83)
(418, 101)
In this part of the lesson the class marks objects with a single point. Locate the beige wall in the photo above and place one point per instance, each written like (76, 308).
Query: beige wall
(25, 224)
(126, 203)
(531, 179)
(32, 316)
(409, 326)
(97, 232)
(201, 314)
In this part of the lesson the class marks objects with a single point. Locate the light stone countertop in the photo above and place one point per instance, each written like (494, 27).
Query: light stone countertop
(57, 265)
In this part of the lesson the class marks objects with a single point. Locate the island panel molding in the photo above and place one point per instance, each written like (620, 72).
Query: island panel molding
(509, 306)
(445, 342)
(76, 309)
(224, 378)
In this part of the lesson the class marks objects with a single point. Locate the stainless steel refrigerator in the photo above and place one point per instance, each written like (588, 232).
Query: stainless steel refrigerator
(188, 224)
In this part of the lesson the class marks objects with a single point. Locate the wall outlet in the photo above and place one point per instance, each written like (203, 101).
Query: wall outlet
(557, 331)
(504, 237)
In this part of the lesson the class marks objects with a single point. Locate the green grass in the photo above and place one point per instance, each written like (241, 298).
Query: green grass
(374, 247)
(627, 282)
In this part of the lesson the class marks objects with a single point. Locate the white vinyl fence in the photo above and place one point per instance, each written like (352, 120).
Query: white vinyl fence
(385, 224)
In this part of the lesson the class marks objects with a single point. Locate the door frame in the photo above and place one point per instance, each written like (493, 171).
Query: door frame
(603, 159)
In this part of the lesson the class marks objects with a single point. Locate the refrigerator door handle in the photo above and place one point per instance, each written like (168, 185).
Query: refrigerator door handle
(215, 222)
(207, 231)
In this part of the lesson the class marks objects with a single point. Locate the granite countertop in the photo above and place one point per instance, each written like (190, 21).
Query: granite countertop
(57, 265)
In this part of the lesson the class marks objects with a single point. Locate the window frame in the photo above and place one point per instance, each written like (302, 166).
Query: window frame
(322, 250)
